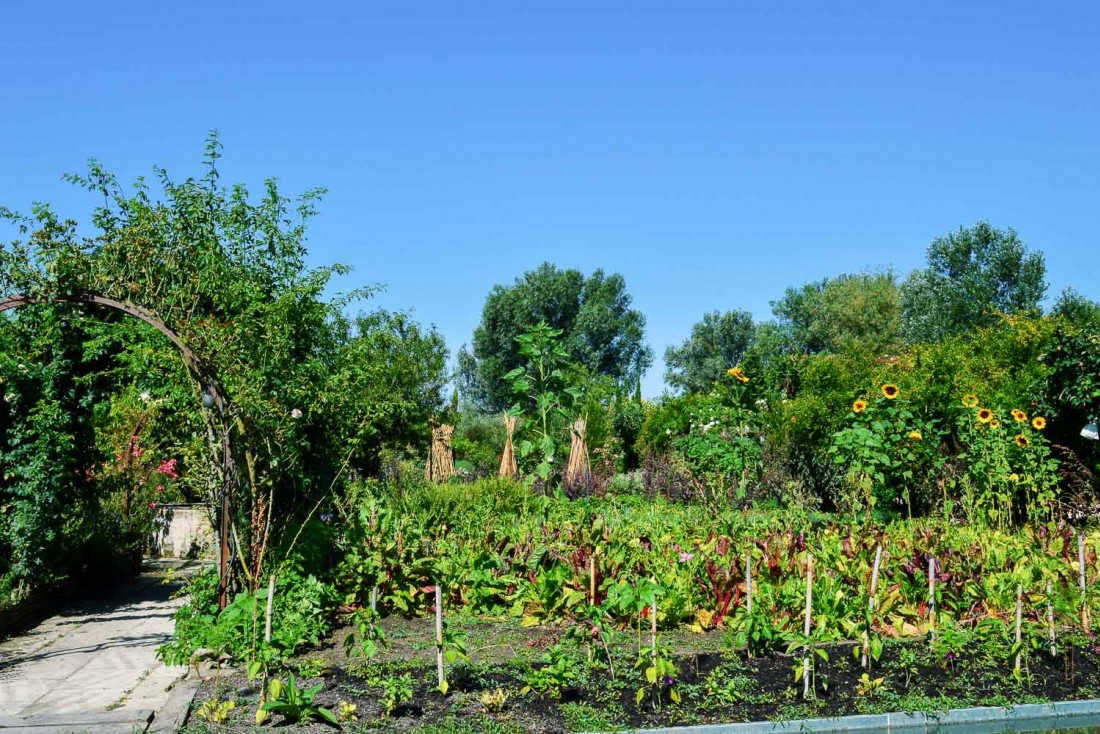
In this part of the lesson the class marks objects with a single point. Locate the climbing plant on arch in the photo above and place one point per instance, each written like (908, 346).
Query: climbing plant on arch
(223, 277)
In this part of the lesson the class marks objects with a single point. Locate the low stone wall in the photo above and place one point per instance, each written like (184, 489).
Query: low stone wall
(182, 531)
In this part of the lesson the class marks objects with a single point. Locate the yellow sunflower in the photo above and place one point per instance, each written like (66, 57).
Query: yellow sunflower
(1038, 423)
(890, 391)
(994, 423)
(1022, 441)
(737, 374)
(1019, 415)
(985, 415)
(915, 436)
(859, 406)
(970, 401)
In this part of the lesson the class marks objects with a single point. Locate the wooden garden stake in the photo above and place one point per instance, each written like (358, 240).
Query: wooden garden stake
(439, 636)
(1019, 630)
(748, 581)
(592, 579)
(806, 625)
(1050, 623)
(373, 607)
(932, 596)
(270, 606)
(871, 606)
(1081, 576)
(653, 630)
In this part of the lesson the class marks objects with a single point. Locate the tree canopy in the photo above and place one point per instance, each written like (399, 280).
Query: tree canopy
(600, 330)
(716, 344)
(972, 275)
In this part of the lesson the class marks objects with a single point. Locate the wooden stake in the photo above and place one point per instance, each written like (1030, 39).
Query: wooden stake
(270, 606)
(748, 581)
(871, 606)
(653, 630)
(373, 607)
(1050, 624)
(439, 636)
(806, 625)
(1019, 619)
(592, 579)
(932, 596)
(1081, 576)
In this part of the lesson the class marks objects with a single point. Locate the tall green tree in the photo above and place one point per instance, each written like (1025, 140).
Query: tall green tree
(848, 313)
(717, 343)
(971, 275)
(600, 330)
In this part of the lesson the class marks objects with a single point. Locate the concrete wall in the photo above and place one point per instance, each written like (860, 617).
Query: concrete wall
(182, 531)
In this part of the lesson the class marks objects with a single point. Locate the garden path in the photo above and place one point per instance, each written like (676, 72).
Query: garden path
(93, 667)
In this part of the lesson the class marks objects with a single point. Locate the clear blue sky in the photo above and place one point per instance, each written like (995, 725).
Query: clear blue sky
(713, 153)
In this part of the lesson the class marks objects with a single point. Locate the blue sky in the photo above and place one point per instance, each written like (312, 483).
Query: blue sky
(713, 153)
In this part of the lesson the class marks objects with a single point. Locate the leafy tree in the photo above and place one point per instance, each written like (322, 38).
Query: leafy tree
(848, 313)
(971, 275)
(717, 343)
(1078, 310)
(600, 330)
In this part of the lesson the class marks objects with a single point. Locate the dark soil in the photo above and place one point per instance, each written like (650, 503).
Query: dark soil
(715, 685)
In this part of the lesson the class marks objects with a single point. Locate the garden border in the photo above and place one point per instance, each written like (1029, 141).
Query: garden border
(977, 719)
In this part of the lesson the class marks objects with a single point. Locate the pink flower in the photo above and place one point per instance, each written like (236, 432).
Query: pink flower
(152, 505)
(160, 487)
(169, 468)
(685, 556)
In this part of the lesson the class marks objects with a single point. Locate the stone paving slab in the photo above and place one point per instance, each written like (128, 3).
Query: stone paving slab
(93, 667)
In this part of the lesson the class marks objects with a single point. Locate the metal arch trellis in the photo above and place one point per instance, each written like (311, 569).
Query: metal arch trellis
(206, 380)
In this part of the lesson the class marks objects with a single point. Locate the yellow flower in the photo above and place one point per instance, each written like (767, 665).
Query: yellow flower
(737, 374)
(970, 401)
(1039, 423)
(890, 391)
(915, 436)
(858, 406)
(1022, 441)
(1019, 415)
(1013, 477)
(994, 423)
(985, 415)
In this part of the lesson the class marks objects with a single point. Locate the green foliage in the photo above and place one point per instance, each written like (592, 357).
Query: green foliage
(557, 670)
(296, 704)
(717, 343)
(972, 274)
(600, 331)
(545, 395)
(848, 313)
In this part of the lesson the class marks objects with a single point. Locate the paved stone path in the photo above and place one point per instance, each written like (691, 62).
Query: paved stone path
(93, 668)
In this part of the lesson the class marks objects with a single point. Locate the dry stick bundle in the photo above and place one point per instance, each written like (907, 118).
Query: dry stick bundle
(439, 637)
(806, 626)
(508, 467)
(578, 469)
(871, 607)
(1081, 575)
(441, 460)
(1019, 631)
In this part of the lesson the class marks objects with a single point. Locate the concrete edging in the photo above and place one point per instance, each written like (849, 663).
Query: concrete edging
(975, 720)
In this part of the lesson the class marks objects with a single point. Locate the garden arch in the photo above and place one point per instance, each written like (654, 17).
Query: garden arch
(212, 398)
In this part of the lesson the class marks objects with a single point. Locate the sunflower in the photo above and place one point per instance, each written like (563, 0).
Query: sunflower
(1019, 415)
(915, 436)
(737, 374)
(970, 401)
(985, 415)
(1022, 441)
(890, 391)
(1038, 423)
(994, 424)
(859, 406)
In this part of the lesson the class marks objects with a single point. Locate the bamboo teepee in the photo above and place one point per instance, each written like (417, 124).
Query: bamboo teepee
(441, 460)
(508, 467)
(578, 470)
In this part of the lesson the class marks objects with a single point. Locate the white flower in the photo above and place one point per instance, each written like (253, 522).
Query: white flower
(295, 414)
(146, 397)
